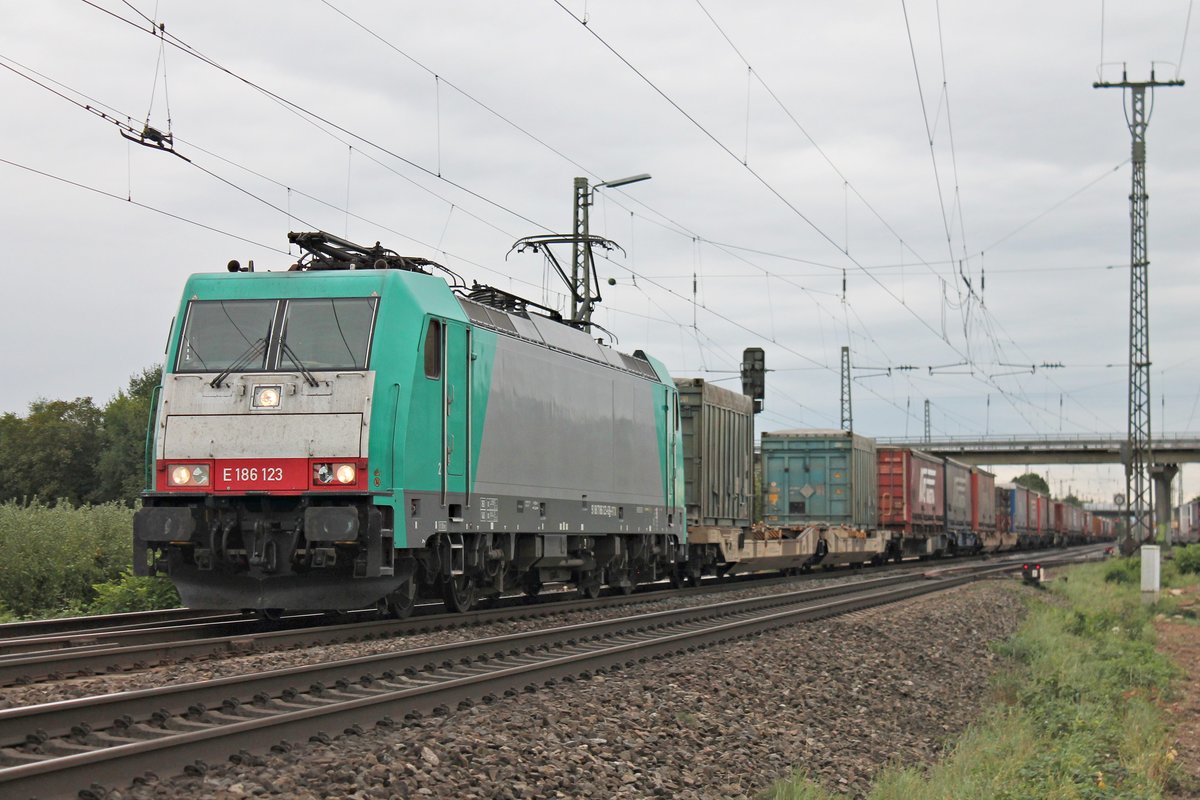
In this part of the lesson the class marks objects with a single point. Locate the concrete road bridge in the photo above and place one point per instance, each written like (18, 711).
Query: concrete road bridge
(1168, 448)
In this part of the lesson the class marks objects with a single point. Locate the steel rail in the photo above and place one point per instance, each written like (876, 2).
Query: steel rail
(129, 620)
(466, 673)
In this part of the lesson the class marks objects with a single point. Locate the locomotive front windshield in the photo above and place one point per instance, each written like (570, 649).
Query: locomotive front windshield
(329, 333)
(220, 333)
(262, 335)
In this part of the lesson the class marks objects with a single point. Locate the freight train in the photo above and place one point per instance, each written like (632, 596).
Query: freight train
(359, 431)
(851, 500)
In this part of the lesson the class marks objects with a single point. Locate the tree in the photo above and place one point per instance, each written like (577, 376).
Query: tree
(52, 452)
(121, 462)
(1031, 480)
(74, 451)
(1072, 500)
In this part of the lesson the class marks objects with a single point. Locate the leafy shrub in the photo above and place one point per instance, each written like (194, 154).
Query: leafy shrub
(1187, 559)
(133, 593)
(55, 554)
(1123, 570)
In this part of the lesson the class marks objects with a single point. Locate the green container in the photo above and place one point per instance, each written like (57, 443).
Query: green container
(819, 476)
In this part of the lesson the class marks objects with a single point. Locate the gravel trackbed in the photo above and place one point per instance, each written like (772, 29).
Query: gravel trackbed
(841, 697)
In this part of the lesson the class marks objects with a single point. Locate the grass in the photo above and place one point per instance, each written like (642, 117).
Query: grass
(1075, 713)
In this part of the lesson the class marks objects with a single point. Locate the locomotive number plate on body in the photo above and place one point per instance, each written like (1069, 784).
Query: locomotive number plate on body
(255, 474)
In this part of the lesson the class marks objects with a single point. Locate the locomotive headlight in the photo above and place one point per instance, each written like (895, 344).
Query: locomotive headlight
(187, 475)
(345, 473)
(329, 474)
(266, 396)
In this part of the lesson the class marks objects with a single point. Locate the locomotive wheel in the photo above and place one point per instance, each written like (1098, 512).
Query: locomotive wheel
(401, 602)
(589, 585)
(692, 576)
(458, 592)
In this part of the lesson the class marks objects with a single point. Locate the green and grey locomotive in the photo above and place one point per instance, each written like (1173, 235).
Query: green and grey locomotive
(358, 431)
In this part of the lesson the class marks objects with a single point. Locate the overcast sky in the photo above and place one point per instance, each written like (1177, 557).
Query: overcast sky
(789, 145)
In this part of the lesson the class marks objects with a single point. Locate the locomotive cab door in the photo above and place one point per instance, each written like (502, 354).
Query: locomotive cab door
(671, 429)
(456, 410)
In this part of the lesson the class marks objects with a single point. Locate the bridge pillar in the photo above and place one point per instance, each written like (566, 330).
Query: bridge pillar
(1162, 475)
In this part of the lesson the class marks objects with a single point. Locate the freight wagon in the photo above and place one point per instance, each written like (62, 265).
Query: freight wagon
(1041, 515)
(1188, 518)
(815, 507)
(822, 484)
(985, 515)
(962, 536)
(1069, 523)
(912, 500)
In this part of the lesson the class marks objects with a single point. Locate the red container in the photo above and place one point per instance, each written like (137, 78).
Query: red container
(911, 490)
(1041, 515)
(1062, 513)
(984, 518)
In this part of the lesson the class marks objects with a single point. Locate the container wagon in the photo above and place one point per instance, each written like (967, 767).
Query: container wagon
(961, 534)
(1041, 518)
(985, 513)
(1014, 500)
(821, 485)
(717, 429)
(718, 468)
(911, 500)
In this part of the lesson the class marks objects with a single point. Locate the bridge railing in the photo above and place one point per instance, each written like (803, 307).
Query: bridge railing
(1065, 440)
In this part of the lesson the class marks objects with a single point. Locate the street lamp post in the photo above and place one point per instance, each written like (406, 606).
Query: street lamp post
(582, 266)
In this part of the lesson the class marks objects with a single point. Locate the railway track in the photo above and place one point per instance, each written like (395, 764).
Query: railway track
(142, 649)
(58, 749)
(122, 648)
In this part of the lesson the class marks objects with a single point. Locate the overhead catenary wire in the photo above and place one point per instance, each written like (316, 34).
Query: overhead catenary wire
(838, 268)
(146, 206)
(312, 116)
(760, 178)
(750, 71)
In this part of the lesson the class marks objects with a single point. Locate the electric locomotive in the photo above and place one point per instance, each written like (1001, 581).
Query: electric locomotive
(357, 431)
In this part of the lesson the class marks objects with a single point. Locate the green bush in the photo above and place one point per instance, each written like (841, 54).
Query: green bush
(1187, 559)
(133, 593)
(1123, 570)
(55, 554)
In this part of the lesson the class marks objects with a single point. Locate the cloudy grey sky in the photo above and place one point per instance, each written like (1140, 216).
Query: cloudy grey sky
(790, 148)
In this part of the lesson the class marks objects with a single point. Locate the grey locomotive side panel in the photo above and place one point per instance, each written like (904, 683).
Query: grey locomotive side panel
(560, 427)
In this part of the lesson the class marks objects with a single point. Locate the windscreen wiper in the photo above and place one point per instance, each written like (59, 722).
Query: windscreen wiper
(255, 349)
(309, 378)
